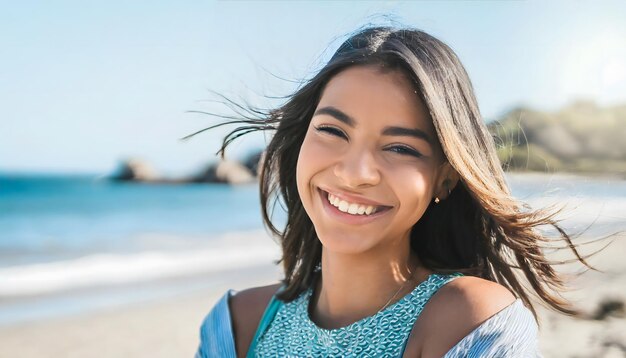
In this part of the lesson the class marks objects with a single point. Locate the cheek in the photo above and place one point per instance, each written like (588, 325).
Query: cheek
(414, 187)
(414, 190)
(411, 176)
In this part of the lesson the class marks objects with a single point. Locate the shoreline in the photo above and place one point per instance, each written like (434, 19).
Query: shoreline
(170, 327)
(166, 327)
(17, 311)
(54, 290)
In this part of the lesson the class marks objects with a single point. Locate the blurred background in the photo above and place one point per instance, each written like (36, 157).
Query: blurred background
(117, 234)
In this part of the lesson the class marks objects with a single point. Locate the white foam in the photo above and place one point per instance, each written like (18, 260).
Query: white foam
(107, 269)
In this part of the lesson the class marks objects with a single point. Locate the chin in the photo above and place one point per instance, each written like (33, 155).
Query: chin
(345, 244)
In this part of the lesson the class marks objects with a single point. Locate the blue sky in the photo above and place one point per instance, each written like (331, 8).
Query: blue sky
(84, 84)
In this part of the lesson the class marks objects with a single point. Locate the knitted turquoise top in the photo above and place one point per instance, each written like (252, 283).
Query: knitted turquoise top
(286, 330)
(291, 333)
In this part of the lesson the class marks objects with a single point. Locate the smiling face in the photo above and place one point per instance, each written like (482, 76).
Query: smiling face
(373, 147)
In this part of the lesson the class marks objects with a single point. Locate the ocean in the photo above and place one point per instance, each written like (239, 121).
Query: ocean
(70, 244)
(52, 218)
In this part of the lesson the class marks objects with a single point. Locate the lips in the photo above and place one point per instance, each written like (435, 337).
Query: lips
(353, 219)
(354, 199)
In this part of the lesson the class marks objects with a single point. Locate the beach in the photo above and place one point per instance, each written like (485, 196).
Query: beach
(165, 328)
(170, 327)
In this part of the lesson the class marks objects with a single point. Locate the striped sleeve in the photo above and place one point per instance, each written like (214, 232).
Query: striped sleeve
(216, 333)
(511, 332)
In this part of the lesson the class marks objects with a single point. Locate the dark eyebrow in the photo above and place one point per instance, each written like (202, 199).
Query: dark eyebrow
(401, 131)
(391, 131)
(337, 114)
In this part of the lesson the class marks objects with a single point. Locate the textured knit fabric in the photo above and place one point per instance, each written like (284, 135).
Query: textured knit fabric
(511, 332)
(293, 334)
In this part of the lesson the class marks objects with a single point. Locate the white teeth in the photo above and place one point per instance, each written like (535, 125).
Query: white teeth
(351, 208)
(343, 206)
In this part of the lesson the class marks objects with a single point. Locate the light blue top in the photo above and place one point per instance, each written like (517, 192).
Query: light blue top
(286, 330)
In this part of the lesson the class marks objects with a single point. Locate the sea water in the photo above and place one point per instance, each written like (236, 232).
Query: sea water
(47, 218)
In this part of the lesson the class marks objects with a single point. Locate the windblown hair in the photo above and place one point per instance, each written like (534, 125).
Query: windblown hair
(479, 230)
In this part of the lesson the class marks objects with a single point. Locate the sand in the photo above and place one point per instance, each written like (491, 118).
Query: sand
(170, 328)
(594, 293)
(167, 328)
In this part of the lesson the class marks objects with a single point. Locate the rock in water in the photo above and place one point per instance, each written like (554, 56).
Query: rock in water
(135, 170)
(226, 172)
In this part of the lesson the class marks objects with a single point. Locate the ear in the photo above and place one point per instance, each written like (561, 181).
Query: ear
(446, 180)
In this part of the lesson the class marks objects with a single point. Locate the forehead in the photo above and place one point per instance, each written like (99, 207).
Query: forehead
(377, 97)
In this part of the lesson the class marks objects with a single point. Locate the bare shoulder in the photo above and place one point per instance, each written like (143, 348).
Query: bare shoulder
(246, 309)
(455, 311)
(478, 298)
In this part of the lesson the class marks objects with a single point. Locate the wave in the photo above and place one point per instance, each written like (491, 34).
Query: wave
(114, 269)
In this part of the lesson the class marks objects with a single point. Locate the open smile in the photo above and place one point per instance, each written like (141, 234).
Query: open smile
(351, 213)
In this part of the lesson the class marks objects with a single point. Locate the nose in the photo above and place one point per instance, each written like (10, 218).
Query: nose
(357, 168)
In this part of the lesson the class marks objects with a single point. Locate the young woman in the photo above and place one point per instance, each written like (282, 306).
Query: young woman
(402, 237)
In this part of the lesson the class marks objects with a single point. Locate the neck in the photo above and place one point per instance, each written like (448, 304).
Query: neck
(352, 287)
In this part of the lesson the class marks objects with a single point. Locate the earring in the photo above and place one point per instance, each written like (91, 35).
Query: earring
(437, 200)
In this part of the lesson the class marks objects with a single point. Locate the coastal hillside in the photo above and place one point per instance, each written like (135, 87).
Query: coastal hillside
(580, 138)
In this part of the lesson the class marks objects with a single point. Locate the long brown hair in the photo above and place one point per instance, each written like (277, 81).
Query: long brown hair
(479, 230)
